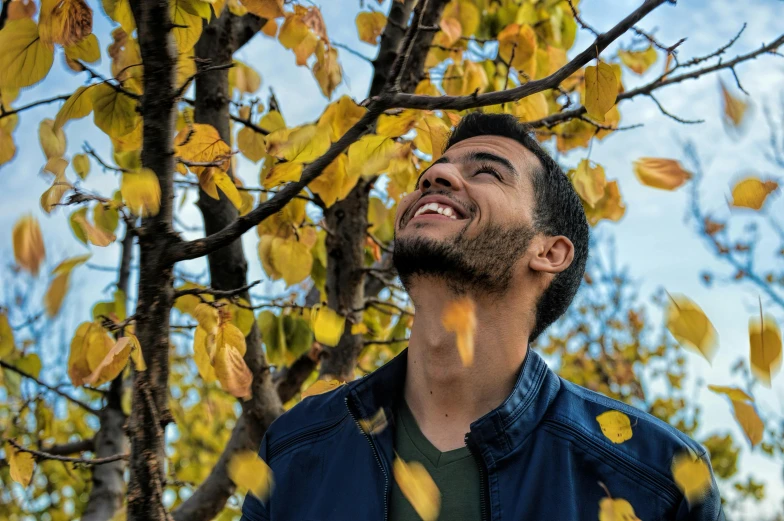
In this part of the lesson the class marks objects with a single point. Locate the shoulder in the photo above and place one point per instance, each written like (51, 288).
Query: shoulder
(652, 445)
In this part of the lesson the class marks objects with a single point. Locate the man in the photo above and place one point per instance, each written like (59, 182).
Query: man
(495, 220)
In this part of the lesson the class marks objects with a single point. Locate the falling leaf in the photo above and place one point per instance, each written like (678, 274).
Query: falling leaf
(691, 327)
(247, 470)
(29, 249)
(639, 61)
(747, 417)
(25, 59)
(752, 192)
(418, 488)
(667, 174)
(692, 476)
(327, 325)
(370, 25)
(589, 182)
(616, 510)
(53, 299)
(21, 463)
(141, 192)
(615, 426)
(321, 387)
(734, 108)
(375, 424)
(733, 393)
(459, 317)
(601, 90)
(765, 342)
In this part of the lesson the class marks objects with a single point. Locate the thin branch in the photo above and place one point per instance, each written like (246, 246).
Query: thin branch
(106, 166)
(72, 447)
(673, 116)
(76, 401)
(581, 21)
(41, 455)
(5, 113)
(219, 293)
(116, 86)
(717, 52)
(181, 90)
(352, 51)
(385, 342)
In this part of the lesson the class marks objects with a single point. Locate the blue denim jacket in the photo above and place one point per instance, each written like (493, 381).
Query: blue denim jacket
(541, 454)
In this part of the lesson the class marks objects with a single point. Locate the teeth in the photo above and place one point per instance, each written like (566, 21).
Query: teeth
(435, 207)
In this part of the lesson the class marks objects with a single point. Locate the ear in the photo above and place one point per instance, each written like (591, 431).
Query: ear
(554, 255)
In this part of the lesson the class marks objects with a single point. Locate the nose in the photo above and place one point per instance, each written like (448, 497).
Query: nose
(441, 175)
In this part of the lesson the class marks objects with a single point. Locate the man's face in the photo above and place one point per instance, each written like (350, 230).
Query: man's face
(470, 219)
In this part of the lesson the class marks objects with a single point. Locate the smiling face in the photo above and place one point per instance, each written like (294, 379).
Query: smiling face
(469, 221)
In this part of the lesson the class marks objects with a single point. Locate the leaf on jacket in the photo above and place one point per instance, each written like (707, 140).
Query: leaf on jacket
(418, 488)
(375, 424)
(321, 387)
(247, 470)
(459, 317)
(616, 510)
(692, 476)
(615, 425)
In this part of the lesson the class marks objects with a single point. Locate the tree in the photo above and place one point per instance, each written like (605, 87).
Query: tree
(323, 211)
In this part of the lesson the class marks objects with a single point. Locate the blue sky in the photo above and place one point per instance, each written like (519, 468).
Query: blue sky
(653, 238)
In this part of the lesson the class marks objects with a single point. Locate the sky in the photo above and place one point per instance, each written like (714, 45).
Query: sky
(654, 238)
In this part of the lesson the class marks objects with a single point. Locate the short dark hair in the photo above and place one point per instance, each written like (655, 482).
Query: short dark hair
(557, 209)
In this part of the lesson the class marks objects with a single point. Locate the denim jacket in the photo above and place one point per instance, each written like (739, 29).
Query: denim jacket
(541, 455)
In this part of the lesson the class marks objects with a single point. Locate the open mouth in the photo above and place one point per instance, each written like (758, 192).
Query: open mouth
(437, 207)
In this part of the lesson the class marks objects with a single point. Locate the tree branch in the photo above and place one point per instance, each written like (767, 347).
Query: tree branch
(41, 455)
(5, 113)
(72, 447)
(76, 401)
(215, 292)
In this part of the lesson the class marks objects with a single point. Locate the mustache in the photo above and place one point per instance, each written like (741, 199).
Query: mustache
(467, 206)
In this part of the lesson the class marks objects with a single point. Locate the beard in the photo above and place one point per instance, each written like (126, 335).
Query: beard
(484, 263)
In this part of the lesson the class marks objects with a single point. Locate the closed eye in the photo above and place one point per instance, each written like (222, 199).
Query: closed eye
(488, 169)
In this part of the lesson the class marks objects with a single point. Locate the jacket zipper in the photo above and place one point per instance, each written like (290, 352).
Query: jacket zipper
(300, 437)
(655, 481)
(378, 459)
(483, 482)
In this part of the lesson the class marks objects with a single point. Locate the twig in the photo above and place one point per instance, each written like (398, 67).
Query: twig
(352, 51)
(580, 20)
(76, 401)
(219, 293)
(116, 86)
(5, 113)
(187, 83)
(67, 459)
(385, 342)
(673, 116)
(106, 166)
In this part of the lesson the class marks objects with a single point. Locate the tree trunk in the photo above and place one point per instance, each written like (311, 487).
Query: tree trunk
(150, 413)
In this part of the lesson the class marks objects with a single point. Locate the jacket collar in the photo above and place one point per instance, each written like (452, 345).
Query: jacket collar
(498, 432)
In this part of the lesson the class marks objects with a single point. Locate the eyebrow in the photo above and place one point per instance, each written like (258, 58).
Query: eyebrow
(476, 157)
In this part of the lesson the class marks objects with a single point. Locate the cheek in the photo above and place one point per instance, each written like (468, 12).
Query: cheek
(403, 206)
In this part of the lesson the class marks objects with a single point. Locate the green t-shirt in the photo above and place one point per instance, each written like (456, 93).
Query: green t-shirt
(455, 473)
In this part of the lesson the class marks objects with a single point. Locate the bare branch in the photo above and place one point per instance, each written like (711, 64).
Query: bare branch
(192, 77)
(673, 116)
(67, 396)
(41, 455)
(352, 51)
(215, 292)
(5, 113)
(72, 447)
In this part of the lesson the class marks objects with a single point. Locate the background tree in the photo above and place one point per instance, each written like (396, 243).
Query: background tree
(178, 107)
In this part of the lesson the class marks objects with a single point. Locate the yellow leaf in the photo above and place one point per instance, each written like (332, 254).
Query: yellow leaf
(733, 393)
(734, 108)
(7, 343)
(517, 45)
(750, 422)
(65, 22)
(752, 192)
(95, 235)
(112, 364)
(459, 317)
(339, 116)
(466, 13)
(615, 425)
(7, 146)
(136, 353)
(270, 28)
(187, 26)
(203, 352)
(77, 106)
(52, 142)
(666, 174)
(25, 59)
(327, 70)
(370, 155)
(291, 259)
(106, 217)
(321, 387)
(243, 78)
(251, 143)
(265, 253)
(601, 90)
(692, 476)
(86, 50)
(227, 186)
(765, 342)
(113, 112)
(370, 25)
(691, 327)
(374, 425)
(230, 335)
(21, 463)
(302, 145)
(141, 192)
(327, 325)
(232, 372)
(250, 472)
(451, 30)
(531, 107)
(53, 299)
(638, 61)
(19, 9)
(589, 182)
(29, 249)
(54, 193)
(201, 143)
(395, 125)
(616, 510)
(465, 78)
(75, 226)
(296, 35)
(418, 488)
(432, 135)
(81, 165)
(264, 8)
(334, 183)
(89, 347)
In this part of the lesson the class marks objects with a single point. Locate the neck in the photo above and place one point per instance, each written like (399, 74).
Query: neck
(444, 396)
